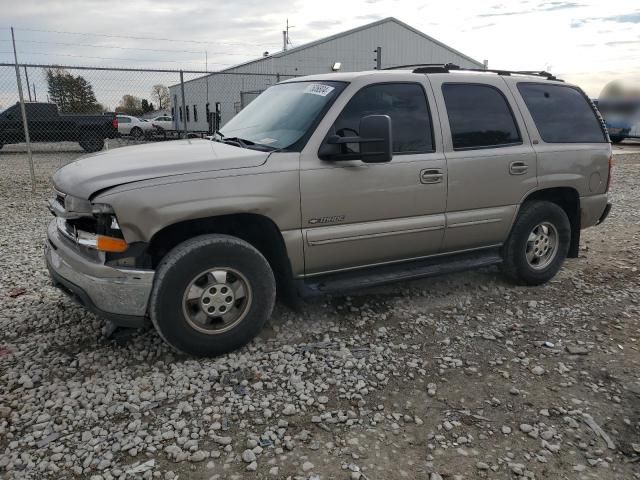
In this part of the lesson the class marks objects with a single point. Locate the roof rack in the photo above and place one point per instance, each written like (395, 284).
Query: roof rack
(448, 67)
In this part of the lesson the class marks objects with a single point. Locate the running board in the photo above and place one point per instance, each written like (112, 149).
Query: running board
(381, 275)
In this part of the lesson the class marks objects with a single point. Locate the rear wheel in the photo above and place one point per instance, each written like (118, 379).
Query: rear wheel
(538, 243)
(137, 133)
(91, 142)
(212, 294)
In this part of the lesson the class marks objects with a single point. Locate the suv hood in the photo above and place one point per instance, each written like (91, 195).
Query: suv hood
(111, 168)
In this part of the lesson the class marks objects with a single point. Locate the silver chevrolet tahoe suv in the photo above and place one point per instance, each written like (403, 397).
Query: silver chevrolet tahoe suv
(327, 183)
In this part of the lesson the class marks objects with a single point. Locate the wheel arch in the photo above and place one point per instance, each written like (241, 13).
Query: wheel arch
(257, 230)
(568, 199)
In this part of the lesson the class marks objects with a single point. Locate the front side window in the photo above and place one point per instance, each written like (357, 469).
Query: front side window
(479, 116)
(283, 115)
(561, 113)
(407, 106)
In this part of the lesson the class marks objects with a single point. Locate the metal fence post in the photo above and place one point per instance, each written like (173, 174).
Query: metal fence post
(184, 105)
(24, 116)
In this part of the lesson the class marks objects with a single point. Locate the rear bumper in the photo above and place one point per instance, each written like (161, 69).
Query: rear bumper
(119, 295)
(593, 210)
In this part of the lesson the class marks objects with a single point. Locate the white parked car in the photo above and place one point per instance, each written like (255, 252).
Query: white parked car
(163, 123)
(134, 126)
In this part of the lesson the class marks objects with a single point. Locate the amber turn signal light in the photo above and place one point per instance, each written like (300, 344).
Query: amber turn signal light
(110, 244)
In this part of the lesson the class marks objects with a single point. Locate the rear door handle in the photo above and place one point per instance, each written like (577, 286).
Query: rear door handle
(431, 175)
(518, 168)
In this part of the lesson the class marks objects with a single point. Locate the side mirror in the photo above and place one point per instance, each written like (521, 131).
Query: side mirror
(375, 142)
(375, 139)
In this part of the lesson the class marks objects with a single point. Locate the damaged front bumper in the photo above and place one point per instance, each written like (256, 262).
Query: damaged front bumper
(120, 295)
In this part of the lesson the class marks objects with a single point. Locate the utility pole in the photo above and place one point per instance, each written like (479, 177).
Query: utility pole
(24, 115)
(378, 59)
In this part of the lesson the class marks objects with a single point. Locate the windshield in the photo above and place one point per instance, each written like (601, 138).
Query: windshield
(282, 114)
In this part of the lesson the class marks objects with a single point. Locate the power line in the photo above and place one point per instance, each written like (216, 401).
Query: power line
(199, 42)
(112, 58)
(124, 48)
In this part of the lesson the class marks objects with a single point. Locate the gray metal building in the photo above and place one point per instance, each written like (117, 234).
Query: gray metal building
(354, 49)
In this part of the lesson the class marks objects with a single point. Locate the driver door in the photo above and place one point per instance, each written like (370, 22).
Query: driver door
(357, 214)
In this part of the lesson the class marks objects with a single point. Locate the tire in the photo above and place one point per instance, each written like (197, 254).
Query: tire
(137, 133)
(91, 142)
(615, 139)
(520, 254)
(184, 270)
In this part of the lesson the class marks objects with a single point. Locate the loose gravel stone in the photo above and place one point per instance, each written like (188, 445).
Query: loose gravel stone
(429, 378)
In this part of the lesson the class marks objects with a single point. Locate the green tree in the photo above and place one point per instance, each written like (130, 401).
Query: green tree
(146, 106)
(72, 94)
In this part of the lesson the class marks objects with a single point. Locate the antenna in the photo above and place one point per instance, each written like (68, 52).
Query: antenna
(285, 36)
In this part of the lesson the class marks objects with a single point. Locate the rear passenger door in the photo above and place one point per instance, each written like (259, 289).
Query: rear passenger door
(491, 163)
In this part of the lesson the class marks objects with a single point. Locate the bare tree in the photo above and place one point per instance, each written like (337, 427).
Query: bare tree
(160, 94)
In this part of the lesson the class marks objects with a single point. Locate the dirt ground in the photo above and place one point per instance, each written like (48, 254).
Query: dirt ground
(457, 377)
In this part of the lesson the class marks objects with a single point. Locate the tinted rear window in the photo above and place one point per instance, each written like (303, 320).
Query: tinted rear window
(561, 113)
(479, 116)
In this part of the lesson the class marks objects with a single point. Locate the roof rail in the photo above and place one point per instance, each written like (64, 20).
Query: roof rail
(448, 67)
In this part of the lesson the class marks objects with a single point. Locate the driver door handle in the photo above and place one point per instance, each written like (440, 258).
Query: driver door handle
(431, 175)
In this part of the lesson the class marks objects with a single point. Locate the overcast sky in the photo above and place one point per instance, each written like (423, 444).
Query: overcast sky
(588, 42)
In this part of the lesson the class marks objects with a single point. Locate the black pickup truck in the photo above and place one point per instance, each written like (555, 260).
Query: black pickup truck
(46, 124)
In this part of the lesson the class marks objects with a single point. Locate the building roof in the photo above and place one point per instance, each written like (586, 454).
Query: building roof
(305, 46)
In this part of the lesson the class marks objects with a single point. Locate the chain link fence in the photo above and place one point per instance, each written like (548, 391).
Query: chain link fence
(72, 110)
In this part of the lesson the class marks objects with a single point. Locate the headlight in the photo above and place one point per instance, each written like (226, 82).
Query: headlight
(77, 205)
(101, 209)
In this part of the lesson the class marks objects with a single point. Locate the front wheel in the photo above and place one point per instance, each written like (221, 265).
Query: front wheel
(91, 142)
(212, 294)
(538, 243)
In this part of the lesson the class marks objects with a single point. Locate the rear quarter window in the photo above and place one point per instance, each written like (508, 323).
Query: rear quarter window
(562, 113)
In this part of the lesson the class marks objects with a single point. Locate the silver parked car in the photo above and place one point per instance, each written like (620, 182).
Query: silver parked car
(328, 183)
(133, 126)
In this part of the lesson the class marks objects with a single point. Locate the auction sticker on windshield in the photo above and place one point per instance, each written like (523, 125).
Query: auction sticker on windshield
(319, 89)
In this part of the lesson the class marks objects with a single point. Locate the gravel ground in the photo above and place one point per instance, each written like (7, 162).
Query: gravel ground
(459, 377)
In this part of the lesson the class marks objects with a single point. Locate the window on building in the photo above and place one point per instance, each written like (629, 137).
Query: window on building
(479, 116)
(195, 113)
(186, 109)
(561, 113)
(173, 113)
(180, 109)
(407, 106)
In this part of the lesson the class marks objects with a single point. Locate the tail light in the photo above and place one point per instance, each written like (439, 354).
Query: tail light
(114, 123)
(609, 172)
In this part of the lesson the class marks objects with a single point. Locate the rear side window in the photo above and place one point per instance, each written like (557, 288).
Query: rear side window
(405, 103)
(561, 113)
(479, 116)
